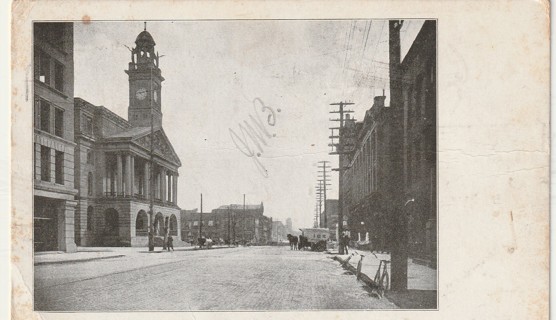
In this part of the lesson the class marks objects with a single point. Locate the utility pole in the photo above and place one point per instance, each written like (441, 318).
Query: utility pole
(340, 150)
(318, 205)
(395, 187)
(325, 179)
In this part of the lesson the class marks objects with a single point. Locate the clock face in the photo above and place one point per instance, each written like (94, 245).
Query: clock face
(155, 96)
(141, 94)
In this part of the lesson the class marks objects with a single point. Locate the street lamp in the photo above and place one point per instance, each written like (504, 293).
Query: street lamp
(408, 201)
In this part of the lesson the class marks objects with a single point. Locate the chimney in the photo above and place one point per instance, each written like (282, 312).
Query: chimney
(379, 101)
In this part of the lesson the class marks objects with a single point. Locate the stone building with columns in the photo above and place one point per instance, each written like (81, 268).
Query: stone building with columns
(113, 163)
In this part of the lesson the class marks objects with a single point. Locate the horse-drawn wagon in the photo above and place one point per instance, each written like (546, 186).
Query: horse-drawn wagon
(315, 238)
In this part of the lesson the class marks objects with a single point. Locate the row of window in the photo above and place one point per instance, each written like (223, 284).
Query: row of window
(48, 70)
(49, 118)
(46, 162)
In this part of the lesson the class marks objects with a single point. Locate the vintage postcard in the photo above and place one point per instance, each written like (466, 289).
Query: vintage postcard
(254, 159)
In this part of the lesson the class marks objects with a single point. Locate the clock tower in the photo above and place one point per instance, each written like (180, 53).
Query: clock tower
(145, 81)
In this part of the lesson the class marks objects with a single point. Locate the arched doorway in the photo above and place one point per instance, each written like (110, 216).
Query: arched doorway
(111, 228)
(141, 224)
(159, 224)
(173, 225)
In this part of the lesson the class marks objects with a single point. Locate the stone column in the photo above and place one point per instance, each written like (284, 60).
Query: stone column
(105, 177)
(163, 184)
(66, 215)
(132, 173)
(119, 177)
(146, 179)
(159, 184)
(127, 174)
(175, 188)
(170, 184)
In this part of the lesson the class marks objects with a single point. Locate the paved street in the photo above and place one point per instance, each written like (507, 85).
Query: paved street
(245, 278)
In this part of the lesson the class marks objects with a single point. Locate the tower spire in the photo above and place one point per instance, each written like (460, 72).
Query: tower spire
(145, 29)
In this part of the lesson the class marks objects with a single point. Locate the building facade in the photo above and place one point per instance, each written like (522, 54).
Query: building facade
(366, 181)
(331, 213)
(419, 140)
(53, 139)
(120, 164)
(229, 224)
(279, 233)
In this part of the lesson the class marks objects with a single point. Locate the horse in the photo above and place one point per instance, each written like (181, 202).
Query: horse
(293, 241)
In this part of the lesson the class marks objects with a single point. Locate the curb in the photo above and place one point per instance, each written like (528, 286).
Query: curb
(363, 277)
(77, 260)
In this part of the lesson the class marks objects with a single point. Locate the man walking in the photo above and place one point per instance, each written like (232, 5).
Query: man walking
(170, 243)
(345, 242)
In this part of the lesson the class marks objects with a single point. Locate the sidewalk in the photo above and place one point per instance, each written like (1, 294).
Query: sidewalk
(422, 280)
(85, 254)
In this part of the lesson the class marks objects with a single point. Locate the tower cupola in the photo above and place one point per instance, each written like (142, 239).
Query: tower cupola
(145, 79)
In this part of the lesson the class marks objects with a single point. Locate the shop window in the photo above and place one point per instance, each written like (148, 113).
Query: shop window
(58, 76)
(45, 115)
(45, 163)
(59, 170)
(58, 122)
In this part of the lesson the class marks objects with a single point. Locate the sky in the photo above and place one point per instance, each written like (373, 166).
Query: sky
(223, 74)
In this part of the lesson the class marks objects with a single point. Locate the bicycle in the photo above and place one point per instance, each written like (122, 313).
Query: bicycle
(382, 280)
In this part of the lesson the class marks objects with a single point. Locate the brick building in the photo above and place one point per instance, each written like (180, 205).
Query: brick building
(419, 107)
(366, 183)
(230, 223)
(113, 163)
(53, 189)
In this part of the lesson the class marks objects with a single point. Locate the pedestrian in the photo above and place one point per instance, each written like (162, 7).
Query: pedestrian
(346, 243)
(170, 243)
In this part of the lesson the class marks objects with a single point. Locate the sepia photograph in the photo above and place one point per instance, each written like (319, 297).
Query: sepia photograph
(234, 165)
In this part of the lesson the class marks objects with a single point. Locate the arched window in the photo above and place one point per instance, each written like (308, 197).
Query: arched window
(90, 218)
(90, 184)
(159, 224)
(142, 224)
(174, 225)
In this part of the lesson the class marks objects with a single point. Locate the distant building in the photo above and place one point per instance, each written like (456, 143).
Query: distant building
(331, 213)
(278, 231)
(289, 226)
(113, 163)
(231, 223)
(53, 139)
